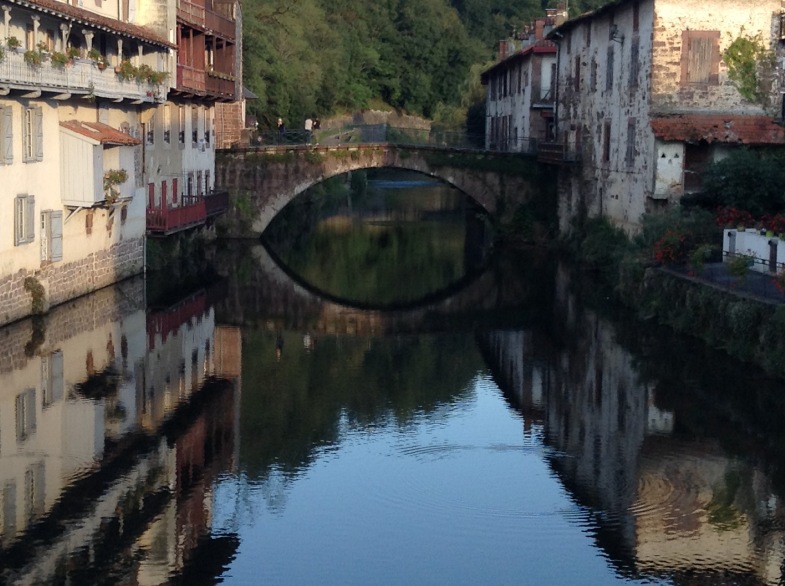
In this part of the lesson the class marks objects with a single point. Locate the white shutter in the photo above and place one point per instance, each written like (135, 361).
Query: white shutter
(30, 219)
(44, 235)
(38, 125)
(56, 235)
(6, 135)
(19, 219)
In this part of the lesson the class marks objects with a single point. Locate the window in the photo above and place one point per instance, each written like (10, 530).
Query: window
(606, 143)
(190, 183)
(181, 129)
(630, 156)
(206, 182)
(24, 219)
(25, 414)
(33, 134)
(52, 386)
(194, 126)
(635, 17)
(167, 123)
(593, 75)
(199, 183)
(207, 126)
(634, 62)
(700, 57)
(609, 71)
(6, 135)
(577, 78)
(175, 190)
(52, 235)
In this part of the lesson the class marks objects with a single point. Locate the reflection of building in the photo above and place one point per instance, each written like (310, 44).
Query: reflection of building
(665, 506)
(94, 463)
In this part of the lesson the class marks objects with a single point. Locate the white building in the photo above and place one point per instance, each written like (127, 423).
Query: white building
(521, 90)
(645, 101)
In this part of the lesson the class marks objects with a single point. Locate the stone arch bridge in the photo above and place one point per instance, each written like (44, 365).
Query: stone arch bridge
(271, 177)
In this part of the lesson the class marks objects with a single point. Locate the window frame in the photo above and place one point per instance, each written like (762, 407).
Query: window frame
(24, 219)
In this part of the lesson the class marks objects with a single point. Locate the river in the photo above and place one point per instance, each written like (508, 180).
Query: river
(376, 395)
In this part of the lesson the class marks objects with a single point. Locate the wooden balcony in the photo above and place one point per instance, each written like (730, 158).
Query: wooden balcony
(163, 323)
(81, 77)
(219, 85)
(191, 79)
(220, 25)
(193, 211)
(556, 153)
(191, 13)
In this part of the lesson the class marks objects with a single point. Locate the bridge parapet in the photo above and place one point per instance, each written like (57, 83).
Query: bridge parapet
(271, 176)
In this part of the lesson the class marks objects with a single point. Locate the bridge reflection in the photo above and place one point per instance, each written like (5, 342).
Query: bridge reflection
(262, 291)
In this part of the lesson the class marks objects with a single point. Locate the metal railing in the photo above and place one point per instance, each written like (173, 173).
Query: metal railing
(400, 136)
(81, 76)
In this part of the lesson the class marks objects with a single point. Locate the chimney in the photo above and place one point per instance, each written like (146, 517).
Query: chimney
(539, 24)
(560, 16)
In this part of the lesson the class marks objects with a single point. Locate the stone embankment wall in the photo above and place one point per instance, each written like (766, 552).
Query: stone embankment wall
(28, 292)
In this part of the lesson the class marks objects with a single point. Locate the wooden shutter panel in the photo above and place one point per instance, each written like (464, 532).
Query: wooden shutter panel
(19, 214)
(30, 219)
(7, 135)
(56, 235)
(38, 125)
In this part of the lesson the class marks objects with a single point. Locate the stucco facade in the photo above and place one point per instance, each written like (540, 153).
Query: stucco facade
(640, 87)
(106, 109)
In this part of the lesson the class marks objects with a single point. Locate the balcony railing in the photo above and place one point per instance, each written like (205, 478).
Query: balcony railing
(220, 25)
(79, 77)
(557, 153)
(220, 86)
(193, 211)
(190, 78)
(168, 321)
(191, 12)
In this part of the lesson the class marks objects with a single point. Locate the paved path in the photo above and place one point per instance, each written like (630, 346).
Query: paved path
(754, 284)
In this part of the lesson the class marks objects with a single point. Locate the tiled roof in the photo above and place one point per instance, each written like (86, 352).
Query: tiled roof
(86, 17)
(100, 132)
(539, 46)
(726, 128)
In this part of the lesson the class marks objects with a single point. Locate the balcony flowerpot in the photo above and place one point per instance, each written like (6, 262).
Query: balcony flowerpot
(101, 66)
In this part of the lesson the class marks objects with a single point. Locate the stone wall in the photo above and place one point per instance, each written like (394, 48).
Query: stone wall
(63, 282)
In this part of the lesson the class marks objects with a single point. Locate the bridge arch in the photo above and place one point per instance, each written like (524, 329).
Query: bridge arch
(273, 176)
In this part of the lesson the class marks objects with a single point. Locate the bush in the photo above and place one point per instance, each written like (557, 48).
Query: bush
(748, 181)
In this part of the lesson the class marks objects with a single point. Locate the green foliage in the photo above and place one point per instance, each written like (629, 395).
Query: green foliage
(751, 67)
(37, 294)
(112, 179)
(747, 180)
(602, 247)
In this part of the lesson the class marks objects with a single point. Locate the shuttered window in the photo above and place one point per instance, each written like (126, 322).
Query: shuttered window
(33, 134)
(24, 219)
(6, 135)
(700, 57)
(52, 235)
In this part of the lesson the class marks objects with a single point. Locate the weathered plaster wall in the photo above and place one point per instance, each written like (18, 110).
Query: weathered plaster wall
(731, 19)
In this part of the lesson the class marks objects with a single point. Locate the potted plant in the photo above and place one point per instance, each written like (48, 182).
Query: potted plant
(126, 70)
(73, 53)
(13, 43)
(33, 58)
(112, 179)
(157, 77)
(59, 60)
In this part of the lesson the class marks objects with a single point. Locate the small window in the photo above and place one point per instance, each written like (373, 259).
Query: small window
(25, 414)
(24, 219)
(630, 155)
(634, 61)
(606, 143)
(33, 134)
(609, 71)
(167, 123)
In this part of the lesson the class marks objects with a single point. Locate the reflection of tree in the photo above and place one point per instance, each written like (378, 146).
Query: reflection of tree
(293, 407)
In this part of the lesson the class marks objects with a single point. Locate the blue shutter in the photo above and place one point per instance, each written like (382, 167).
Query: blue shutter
(30, 219)
(6, 135)
(38, 128)
(56, 235)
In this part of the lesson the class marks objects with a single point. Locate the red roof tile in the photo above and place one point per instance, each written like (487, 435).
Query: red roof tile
(90, 18)
(100, 132)
(723, 128)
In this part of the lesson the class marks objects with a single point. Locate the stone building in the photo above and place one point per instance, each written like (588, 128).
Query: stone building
(520, 88)
(645, 101)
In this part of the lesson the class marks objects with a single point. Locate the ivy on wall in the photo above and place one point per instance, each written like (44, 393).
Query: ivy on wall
(751, 67)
